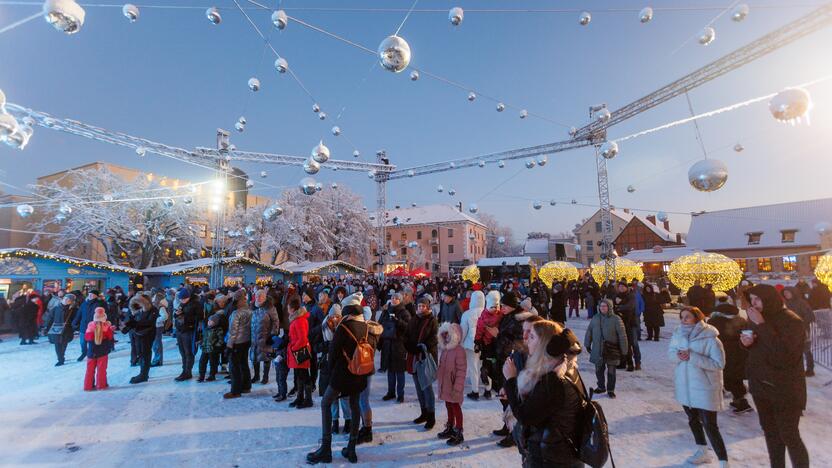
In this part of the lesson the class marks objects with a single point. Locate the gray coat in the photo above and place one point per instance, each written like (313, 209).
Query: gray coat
(264, 324)
(605, 327)
(240, 329)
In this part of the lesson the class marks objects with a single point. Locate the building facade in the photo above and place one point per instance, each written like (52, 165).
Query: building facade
(590, 234)
(545, 249)
(644, 233)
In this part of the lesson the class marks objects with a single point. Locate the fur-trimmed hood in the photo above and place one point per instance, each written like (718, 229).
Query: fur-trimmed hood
(450, 335)
(373, 328)
(140, 303)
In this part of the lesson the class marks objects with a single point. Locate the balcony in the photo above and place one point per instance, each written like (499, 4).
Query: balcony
(433, 241)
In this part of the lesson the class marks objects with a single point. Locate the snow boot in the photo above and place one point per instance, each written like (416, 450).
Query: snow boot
(502, 432)
(456, 438)
(611, 395)
(211, 378)
(348, 452)
(400, 399)
(701, 456)
(422, 417)
(638, 366)
(506, 442)
(80, 358)
(293, 391)
(741, 406)
(231, 395)
(447, 433)
(335, 428)
(388, 396)
(347, 426)
(323, 454)
(487, 394)
(138, 379)
(365, 435)
(474, 396)
(430, 421)
(306, 399)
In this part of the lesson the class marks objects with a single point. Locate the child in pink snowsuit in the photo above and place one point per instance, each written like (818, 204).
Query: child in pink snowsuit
(99, 336)
(451, 377)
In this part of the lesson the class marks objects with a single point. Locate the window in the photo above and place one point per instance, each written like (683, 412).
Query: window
(590, 246)
(203, 230)
(450, 232)
(789, 263)
(404, 251)
(389, 237)
(754, 238)
(404, 236)
(743, 264)
(418, 235)
(434, 233)
(763, 265)
(434, 249)
(787, 236)
(450, 248)
(599, 227)
(813, 261)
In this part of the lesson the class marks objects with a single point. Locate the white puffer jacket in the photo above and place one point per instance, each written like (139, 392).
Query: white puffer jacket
(699, 379)
(469, 319)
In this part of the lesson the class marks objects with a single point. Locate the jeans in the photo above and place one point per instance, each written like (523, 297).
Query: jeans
(364, 404)
(185, 341)
(205, 358)
(281, 370)
(158, 349)
(330, 397)
(240, 373)
(635, 351)
(599, 375)
(473, 362)
(780, 423)
(345, 409)
(426, 397)
(703, 422)
(83, 344)
(395, 383)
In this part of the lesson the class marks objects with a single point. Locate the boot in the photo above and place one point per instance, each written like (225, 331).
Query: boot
(388, 396)
(506, 442)
(293, 391)
(298, 400)
(423, 416)
(335, 426)
(348, 452)
(347, 426)
(365, 435)
(447, 433)
(456, 437)
(431, 420)
(487, 394)
(638, 366)
(323, 454)
(741, 406)
(80, 358)
(211, 378)
(701, 456)
(256, 375)
(503, 431)
(201, 378)
(138, 379)
(266, 368)
(306, 400)
(474, 396)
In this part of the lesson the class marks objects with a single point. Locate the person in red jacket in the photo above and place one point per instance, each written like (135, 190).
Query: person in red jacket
(299, 348)
(99, 336)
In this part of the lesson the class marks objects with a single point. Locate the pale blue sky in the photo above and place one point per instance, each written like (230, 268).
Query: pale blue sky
(173, 77)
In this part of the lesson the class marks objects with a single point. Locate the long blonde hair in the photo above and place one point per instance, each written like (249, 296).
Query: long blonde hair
(540, 362)
(99, 332)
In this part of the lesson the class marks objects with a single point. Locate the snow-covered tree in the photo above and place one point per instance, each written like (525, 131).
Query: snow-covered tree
(246, 230)
(494, 231)
(134, 222)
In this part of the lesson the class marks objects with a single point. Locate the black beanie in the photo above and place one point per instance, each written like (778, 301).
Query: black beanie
(563, 343)
(509, 299)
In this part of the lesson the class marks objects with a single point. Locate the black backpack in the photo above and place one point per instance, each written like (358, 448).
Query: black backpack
(593, 441)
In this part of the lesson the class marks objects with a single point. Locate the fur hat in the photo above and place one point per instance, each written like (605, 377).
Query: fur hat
(353, 299)
(100, 315)
(563, 343)
(492, 299)
(509, 299)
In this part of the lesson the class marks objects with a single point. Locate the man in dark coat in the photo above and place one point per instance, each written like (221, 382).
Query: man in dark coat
(185, 319)
(449, 309)
(625, 307)
(142, 322)
(558, 311)
(696, 296)
(395, 320)
(708, 300)
(776, 378)
(84, 317)
(819, 296)
(798, 305)
(726, 319)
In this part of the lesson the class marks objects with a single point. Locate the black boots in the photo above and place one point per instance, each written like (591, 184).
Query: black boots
(305, 396)
(365, 435)
(430, 421)
(347, 426)
(447, 433)
(323, 454)
(138, 379)
(335, 426)
(456, 437)
(503, 431)
(183, 377)
(348, 452)
(423, 416)
(388, 397)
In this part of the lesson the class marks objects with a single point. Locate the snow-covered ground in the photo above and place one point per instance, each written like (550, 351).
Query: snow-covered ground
(46, 419)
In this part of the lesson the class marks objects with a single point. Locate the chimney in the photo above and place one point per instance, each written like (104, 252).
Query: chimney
(667, 225)
(627, 210)
(652, 219)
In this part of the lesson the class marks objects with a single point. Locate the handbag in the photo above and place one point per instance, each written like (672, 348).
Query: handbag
(302, 355)
(425, 370)
(55, 335)
(610, 351)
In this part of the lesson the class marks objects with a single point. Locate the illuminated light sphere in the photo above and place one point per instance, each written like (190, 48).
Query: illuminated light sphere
(394, 54)
(440, 188)
(631, 189)
(187, 200)
(472, 96)
(609, 150)
(336, 130)
(356, 153)
(708, 175)
(213, 15)
(823, 227)
(334, 186)
(501, 164)
(524, 113)
(473, 208)
(316, 108)
(271, 213)
(471, 236)
(307, 186)
(25, 210)
(661, 216)
(371, 174)
(240, 127)
(311, 167)
(541, 161)
(530, 163)
(254, 84)
(456, 15)
(8, 126)
(322, 116)
(339, 215)
(264, 174)
(791, 105)
(108, 197)
(501, 240)
(645, 15)
(320, 153)
(452, 165)
(242, 120)
(740, 12)
(135, 233)
(414, 75)
(552, 202)
(501, 107)
(481, 163)
(64, 15)
(823, 271)
(603, 115)
(65, 209)
(537, 205)
(706, 268)
(471, 273)
(625, 270)
(249, 183)
(451, 192)
(60, 217)
(585, 18)
(707, 35)
(169, 202)
(392, 253)
(411, 173)
(130, 11)
(372, 217)
(141, 151)
(281, 65)
(412, 244)
(160, 238)
(739, 147)
(557, 271)
(280, 20)
(413, 205)
(249, 230)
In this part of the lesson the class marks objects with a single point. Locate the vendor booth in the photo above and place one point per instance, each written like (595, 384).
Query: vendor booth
(309, 271)
(235, 271)
(495, 270)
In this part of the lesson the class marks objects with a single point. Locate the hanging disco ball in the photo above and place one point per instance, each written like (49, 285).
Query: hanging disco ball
(472, 96)
(473, 208)
(160, 238)
(334, 186)
(339, 215)
(452, 165)
(631, 189)
(708, 175)
(141, 151)
(64, 15)
(280, 20)
(609, 150)
(372, 217)
(791, 105)
(392, 253)
(8, 126)
(322, 116)
(316, 108)
(471, 236)
(60, 217)
(249, 230)
(240, 127)
(25, 210)
(213, 15)
(661, 216)
(371, 174)
(645, 15)
(530, 163)
(269, 214)
(740, 12)
(356, 153)
(336, 130)
(823, 227)
(20, 138)
(440, 188)
(451, 192)
(264, 174)
(413, 244)
(603, 115)
(537, 205)
(501, 240)
(320, 153)
(135, 233)
(707, 35)
(574, 202)
(414, 75)
(168, 202)
(739, 147)
(249, 183)
(481, 163)
(524, 113)
(131, 12)
(307, 186)
(552, 202)
(191, 251)
(108, 197)
(65, 209)
(541, 161)
(501, 107)
(187, 200)
(411, 173)
(456, 15)
(318, 187)
(501, 164)
(585, 18)
(311, 167)
(394, 54)
(254, 84)
(281, 65)
(413, 205)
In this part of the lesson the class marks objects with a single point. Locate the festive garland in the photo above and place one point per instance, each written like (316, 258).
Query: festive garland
(24, 253)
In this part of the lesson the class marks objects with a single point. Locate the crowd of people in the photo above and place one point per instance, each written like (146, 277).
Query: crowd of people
(507, 342)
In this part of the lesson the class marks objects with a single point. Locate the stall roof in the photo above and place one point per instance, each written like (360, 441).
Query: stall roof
(80, 262)
(312, 267)
(658, 255)
(189, 265)
(498, 261)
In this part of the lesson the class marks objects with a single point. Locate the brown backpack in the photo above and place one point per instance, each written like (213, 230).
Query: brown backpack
(362, 360)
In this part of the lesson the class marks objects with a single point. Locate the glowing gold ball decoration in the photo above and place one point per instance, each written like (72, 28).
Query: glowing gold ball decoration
(823, 272)
(471, 273)
(557, 271)
(625, 270)
(707, 268)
